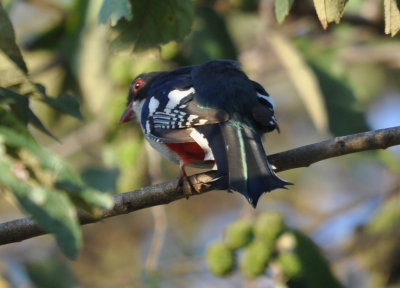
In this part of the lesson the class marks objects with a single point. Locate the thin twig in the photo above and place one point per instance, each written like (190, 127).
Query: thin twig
(22, 229)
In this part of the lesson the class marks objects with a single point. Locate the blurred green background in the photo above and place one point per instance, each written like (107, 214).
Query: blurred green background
(325, 83)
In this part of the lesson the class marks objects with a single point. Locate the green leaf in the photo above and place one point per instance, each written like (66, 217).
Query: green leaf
(392, 17)
(14, 139)
(65, 103)
(66, 179)
(344, 113)
(47, 160)
(9, 119)
(210, 38)
(282, 8)
(315, 269)
(114, 10)
(13, 77)
(52, 210)
(16, 87)
(7, 41)
(19, 104)
(49, 271)
(37, 123)
(101, 178)
(154, 23)
(86, 198)
(329, 11)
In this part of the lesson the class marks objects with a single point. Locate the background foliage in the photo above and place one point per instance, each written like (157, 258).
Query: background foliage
(65, 67)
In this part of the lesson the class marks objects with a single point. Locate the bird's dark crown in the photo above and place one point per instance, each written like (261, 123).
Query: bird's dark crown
(139, 93)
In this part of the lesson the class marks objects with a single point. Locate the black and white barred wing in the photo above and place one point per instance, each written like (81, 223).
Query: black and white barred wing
(170, 117)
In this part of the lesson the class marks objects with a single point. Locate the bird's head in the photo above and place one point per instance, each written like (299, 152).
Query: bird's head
(137, 94)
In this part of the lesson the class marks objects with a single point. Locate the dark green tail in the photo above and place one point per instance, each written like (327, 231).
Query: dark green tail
(239, 153)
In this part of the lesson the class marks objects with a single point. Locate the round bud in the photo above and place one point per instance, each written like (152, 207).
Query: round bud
(219, 259)
(290, 264)
(268, 226)
(286, 242)
(255, 259)
(238, 234)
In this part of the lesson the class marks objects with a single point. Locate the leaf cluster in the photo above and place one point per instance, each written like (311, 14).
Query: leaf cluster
(266, 246)
(329, 11)
(41, 182)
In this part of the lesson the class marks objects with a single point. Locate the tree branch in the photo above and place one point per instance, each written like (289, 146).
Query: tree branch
(164, 193)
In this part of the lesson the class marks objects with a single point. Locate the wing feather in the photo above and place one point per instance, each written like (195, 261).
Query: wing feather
(171, 121)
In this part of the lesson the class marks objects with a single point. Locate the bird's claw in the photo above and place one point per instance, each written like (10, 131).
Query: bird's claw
(186, 186)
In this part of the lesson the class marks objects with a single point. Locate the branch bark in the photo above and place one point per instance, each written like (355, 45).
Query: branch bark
(164, 193)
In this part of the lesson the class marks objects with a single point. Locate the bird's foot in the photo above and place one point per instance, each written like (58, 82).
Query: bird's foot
(185, 184)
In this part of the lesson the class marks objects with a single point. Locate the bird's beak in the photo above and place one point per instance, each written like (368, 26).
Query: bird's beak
(128, 115)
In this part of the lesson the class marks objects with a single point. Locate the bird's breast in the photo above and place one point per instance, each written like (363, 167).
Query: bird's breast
(190, 152)
(195, 151)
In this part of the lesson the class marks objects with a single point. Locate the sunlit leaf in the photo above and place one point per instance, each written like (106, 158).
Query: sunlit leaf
(16, 79)
(13, 77)
(7, 41)
(53, 211)
(329, 11)
(154, 24)
(114, 10)
(303, 78)
(392, 17)
(282, 8)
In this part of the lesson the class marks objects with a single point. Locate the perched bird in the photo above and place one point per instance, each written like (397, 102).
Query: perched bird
(208, 115)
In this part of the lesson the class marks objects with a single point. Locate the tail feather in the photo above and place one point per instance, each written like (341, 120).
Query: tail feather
(217, 143)
(237, 166)
(240, 155)
(262, 177)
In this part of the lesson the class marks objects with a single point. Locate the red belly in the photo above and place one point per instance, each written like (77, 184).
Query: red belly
(189, 152)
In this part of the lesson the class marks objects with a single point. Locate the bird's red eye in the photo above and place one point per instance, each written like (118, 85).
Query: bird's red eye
(137, 85)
